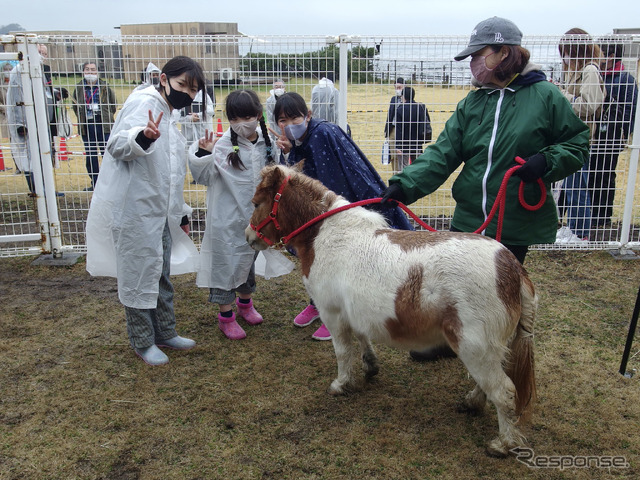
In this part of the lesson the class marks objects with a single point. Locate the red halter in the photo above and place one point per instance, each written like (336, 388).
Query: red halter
(271, 217)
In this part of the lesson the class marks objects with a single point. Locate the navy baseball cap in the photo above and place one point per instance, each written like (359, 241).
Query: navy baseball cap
(492, 31)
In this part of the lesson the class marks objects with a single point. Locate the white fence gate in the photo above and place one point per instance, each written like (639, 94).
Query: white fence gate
(52, 219)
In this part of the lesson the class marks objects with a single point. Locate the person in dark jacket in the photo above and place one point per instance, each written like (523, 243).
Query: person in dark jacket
(514, 112)
(612, 132)
(94, 103)
(411, 124)
(390, 124)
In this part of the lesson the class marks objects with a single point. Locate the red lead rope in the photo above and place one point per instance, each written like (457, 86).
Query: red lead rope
(500, 203)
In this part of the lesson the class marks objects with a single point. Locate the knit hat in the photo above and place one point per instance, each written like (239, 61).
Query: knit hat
(493, 31)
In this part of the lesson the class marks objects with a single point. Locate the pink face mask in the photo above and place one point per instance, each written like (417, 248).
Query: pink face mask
(480, 70)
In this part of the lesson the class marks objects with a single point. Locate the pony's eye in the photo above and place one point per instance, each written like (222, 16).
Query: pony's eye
(255, 205)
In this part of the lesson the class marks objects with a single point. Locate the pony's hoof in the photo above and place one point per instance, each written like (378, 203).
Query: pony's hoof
(371, 372)
(496, 449)
(469, 409)
(335, 389)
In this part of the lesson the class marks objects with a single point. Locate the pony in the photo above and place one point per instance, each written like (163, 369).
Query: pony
(409, 290)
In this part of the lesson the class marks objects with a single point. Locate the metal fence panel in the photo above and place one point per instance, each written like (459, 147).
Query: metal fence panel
(365, 69)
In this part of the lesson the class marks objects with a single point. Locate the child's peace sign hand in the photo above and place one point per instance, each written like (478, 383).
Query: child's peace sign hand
(207, 142)
(151, 130)
(283, 143)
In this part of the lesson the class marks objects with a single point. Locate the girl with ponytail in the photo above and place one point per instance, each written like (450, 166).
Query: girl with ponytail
(230, 167)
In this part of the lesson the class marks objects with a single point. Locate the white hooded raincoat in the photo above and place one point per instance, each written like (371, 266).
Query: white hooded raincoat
(225, 255)
(138, 192)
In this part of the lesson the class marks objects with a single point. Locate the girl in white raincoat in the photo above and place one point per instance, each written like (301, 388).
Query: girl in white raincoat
(137, 228)
(232, 173)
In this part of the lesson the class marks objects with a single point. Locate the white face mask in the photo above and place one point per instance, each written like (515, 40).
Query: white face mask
(278, 91)
(399, 92)
(91, 78)
(244, 129)
(566, 60)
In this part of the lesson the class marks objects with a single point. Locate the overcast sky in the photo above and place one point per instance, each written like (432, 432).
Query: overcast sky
(331, 17)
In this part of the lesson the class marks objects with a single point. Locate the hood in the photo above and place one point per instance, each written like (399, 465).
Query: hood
(150, 69)
(325, 82)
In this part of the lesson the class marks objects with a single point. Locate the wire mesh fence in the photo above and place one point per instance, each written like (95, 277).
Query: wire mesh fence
(364, 70)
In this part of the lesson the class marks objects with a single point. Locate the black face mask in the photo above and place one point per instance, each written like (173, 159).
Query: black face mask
(178, 99)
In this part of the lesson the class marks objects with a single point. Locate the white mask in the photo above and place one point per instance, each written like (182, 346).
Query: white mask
(566, 60)
(399, 92)
(91, 78)
(245, 129)
(278, 91)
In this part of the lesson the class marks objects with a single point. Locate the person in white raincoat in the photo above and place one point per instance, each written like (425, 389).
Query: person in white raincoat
(196, 118)
(137, 210)
(18, 132)
(231, 172)
(324, 100)
(279, 89)
(151, 77)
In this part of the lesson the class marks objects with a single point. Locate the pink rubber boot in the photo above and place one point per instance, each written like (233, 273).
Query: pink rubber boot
(248, 312)
(230, 327)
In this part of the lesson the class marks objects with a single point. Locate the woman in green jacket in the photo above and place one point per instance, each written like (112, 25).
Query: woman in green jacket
(514, 112)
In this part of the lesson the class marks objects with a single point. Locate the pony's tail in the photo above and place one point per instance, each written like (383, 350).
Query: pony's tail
(520, 367)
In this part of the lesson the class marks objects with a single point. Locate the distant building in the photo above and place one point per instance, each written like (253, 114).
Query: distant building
(213, 47)
(68, 50)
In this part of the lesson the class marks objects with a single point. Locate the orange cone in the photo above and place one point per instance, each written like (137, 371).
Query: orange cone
(1, 161)
(62, 150)
(219, 131)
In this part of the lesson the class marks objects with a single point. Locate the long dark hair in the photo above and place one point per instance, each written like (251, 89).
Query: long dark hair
(579, 46)
(240, 104)
(193, 70)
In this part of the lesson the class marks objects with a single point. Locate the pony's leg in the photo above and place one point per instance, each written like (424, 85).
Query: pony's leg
(475, 401)
(341, 336)
(486, 369)
(369, 357)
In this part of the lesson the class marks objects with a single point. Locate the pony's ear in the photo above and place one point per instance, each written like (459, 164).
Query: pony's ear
(298, 167)
(274, 175)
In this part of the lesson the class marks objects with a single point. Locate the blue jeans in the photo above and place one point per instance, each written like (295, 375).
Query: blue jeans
(94, 143)
(577, 202)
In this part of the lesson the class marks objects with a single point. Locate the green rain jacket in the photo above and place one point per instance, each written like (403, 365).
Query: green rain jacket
(490, 127)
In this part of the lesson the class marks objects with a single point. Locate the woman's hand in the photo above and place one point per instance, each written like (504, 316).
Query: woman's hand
(151, 130)
(207, 142)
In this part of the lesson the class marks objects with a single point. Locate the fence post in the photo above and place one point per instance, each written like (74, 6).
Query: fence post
(35, 104)
(631, 187)
(343, 46)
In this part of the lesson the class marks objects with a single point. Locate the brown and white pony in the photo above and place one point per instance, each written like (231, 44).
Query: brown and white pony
(410, 290)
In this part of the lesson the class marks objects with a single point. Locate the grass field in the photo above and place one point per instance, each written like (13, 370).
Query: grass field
(76, 403)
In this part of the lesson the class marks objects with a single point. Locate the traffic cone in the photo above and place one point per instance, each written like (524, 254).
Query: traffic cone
(1, 161)
(219, 131)
(62, 150)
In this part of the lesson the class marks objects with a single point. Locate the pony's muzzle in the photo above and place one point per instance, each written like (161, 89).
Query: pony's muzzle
(253, 240)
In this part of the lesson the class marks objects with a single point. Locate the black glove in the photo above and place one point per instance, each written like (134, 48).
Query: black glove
(22, 131)
(393, 192)
(533, 168)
